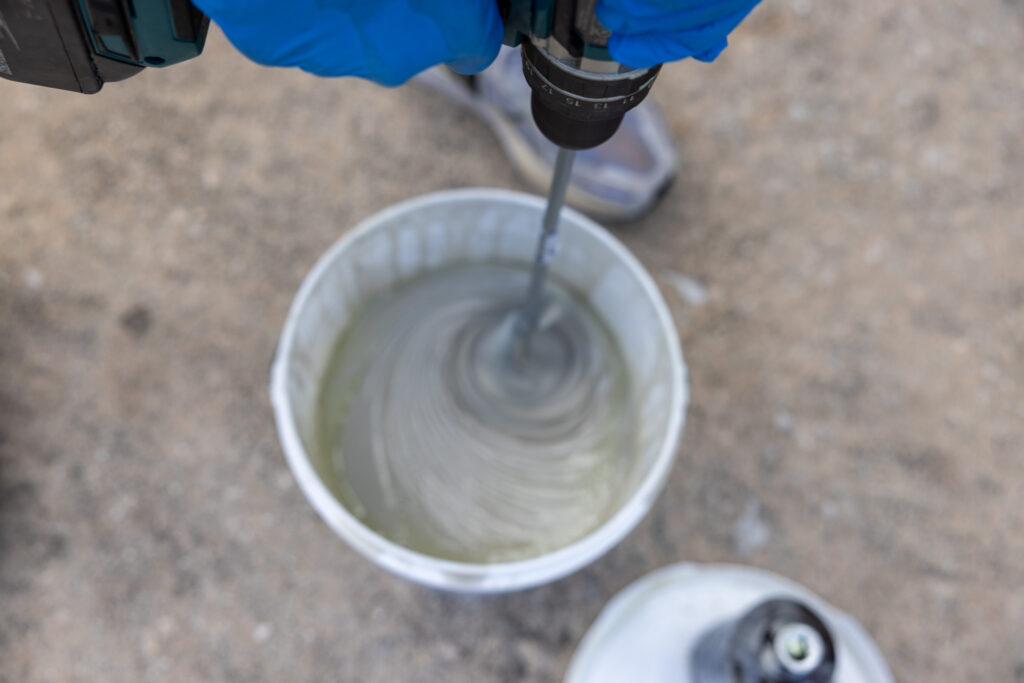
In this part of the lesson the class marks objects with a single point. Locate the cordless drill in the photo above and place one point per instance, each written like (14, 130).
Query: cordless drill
(579, 93)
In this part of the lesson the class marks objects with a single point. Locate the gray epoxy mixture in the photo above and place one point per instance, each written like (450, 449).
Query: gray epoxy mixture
(449, 433)
(842, 252)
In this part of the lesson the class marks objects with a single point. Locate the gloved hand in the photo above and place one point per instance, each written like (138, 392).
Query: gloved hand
(649, 32)
(387, 41)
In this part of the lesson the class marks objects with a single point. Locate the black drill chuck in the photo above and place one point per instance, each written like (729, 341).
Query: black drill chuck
(580, 94)
(579, 109)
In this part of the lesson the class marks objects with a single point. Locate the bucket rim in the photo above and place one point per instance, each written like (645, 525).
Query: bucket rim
(467, 576)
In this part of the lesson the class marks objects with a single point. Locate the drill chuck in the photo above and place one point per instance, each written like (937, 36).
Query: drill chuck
(580, 94)
(579, 109)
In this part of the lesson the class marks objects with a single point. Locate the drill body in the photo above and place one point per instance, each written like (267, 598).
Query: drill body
(79, 45)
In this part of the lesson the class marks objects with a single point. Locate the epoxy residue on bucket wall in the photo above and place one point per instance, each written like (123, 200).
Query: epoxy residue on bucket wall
(438, 436)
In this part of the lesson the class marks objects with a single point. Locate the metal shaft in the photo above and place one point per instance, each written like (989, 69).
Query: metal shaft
(530, 312)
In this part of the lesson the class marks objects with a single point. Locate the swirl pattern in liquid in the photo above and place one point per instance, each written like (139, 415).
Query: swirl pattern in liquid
(444, 435)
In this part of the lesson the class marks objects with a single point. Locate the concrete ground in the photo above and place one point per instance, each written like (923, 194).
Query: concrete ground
(851, 196)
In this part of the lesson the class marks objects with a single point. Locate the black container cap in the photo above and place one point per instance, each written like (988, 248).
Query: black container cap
(782, 641)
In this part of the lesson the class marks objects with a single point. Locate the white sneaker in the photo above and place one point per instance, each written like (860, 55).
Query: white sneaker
(618, 181)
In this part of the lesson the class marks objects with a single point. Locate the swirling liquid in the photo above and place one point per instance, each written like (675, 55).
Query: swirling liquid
(443, 434)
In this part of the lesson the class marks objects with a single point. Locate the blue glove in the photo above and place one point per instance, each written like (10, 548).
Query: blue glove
(387, 41)
(649, 32)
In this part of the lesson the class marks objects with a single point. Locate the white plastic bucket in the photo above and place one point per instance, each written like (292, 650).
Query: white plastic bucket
(479, 226)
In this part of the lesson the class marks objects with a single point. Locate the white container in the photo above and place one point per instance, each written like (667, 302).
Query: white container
(479, 226)
(649, 632)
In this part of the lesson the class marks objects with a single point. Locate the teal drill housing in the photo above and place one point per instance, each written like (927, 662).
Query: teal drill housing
(145, 32)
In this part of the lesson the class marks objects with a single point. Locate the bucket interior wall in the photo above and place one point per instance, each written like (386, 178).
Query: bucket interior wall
(402, 245)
